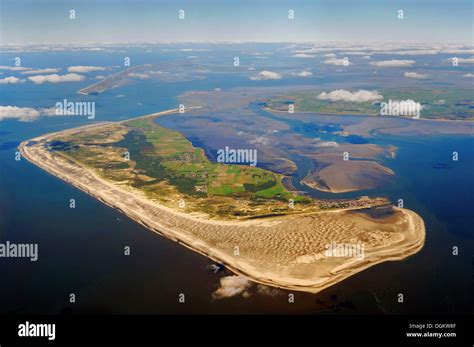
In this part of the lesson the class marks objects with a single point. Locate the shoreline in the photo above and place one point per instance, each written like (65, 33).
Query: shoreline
(171, 223)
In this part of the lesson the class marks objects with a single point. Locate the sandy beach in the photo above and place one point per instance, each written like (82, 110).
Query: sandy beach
(286, 251)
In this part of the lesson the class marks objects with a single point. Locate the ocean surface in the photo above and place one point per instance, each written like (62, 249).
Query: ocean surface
(81, 249)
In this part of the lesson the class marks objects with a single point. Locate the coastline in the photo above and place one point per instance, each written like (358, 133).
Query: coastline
(179, 227)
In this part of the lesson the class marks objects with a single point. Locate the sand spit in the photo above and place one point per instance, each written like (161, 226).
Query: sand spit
(286, 252)
(348, 176)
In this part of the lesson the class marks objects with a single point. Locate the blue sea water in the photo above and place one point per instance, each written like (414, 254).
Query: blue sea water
(81, 249)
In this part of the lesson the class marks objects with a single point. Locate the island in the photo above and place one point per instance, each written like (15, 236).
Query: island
(241, 216)
(436, 103)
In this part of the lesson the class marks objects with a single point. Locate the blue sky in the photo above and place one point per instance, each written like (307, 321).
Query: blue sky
(28, 21)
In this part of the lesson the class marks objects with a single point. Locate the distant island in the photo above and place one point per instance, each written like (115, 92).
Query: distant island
(239, 215)
(113, 81)
(165, 73)
(436, 103)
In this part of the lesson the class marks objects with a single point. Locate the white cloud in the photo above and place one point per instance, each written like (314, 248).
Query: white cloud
(138, 75)
(51, 112)
(361, 95)
(11, 80)
(95, 49)
(40, 71)
(14, 68)
(262, 53)
(99, 77)
(267, 75)
(462, 60)
(410, 52)
(70, 77)
(366, 57)
(193, 50)
(416, 75)
(458, 51)
(330, 55)
(393, 63)
(337, 62)
(353, 53)
(268, 290)
(468, 75)
(231, 286)
(308, 50)
(303, 55)
(302, 74)
(85, 69)
(25, 114)
(262, 140)
(327, 144)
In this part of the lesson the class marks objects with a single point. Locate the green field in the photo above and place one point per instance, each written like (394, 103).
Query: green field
(167, 155)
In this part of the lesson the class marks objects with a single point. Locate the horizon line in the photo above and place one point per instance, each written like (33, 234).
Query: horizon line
(352, 42)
